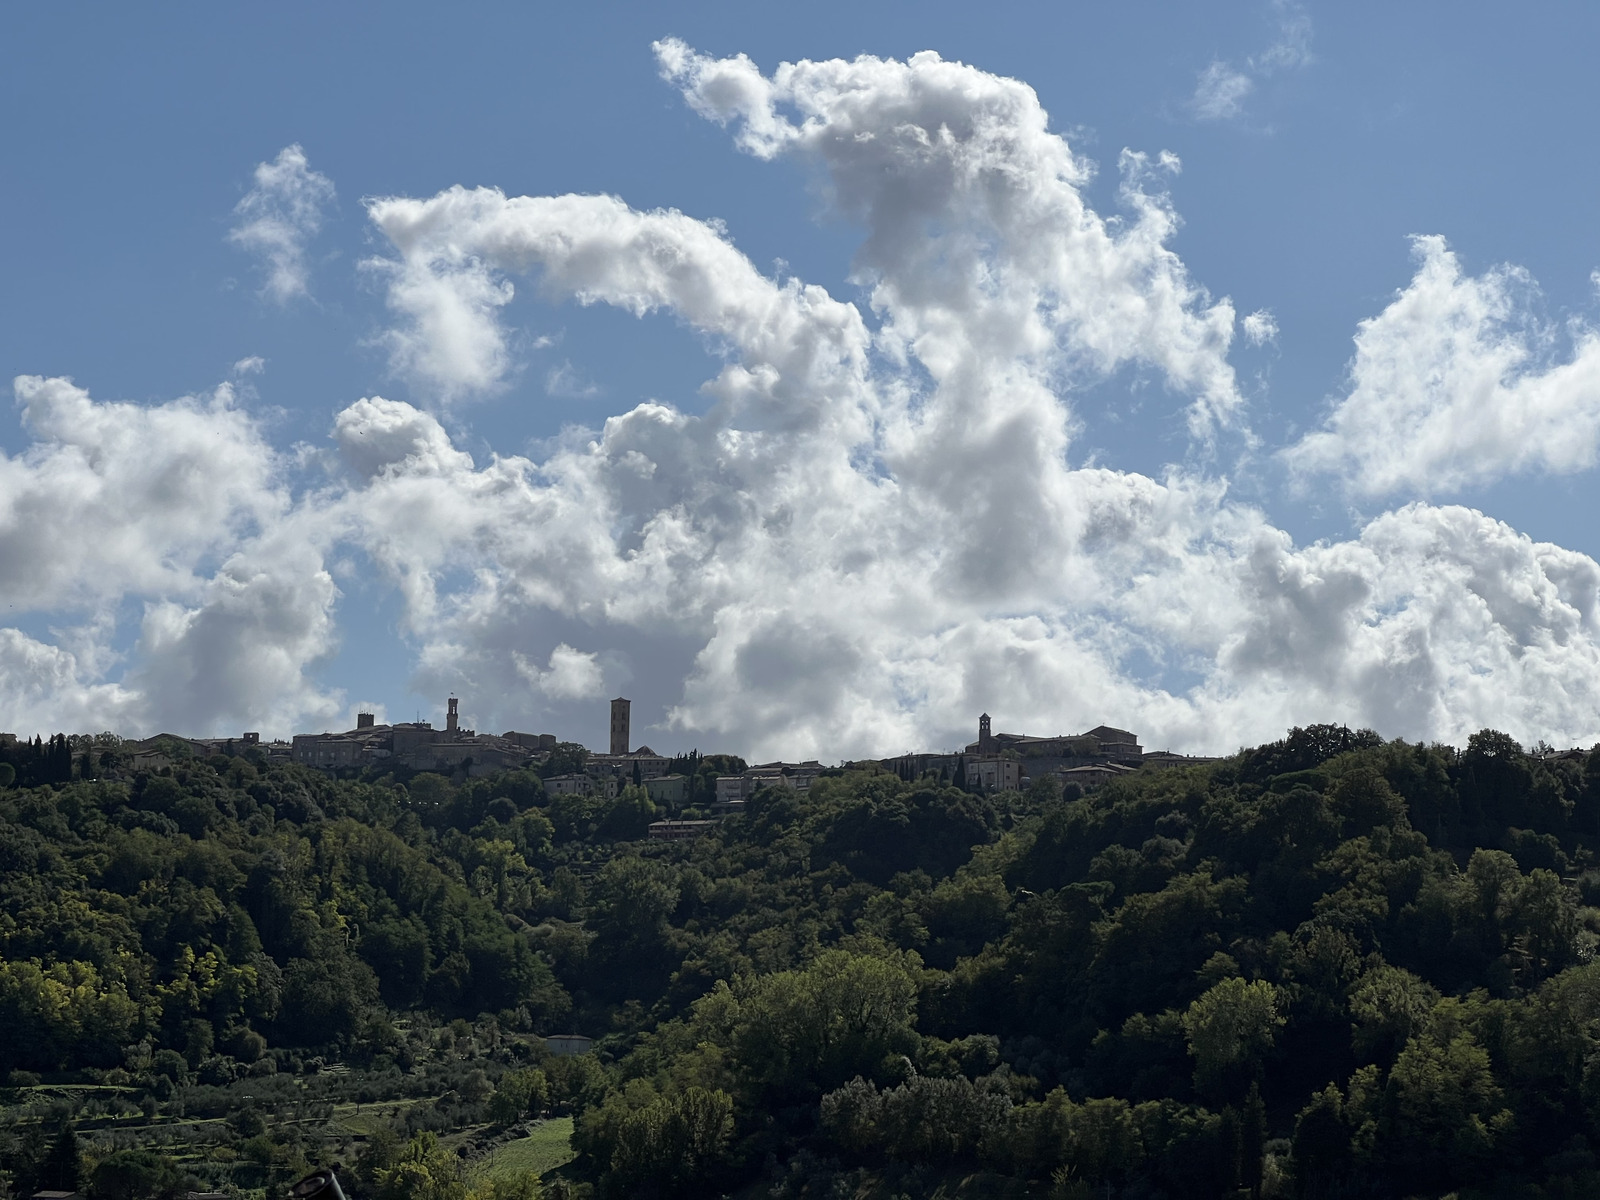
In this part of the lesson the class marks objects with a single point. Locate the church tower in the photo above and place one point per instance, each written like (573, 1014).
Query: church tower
(985, 737)
(619, 725)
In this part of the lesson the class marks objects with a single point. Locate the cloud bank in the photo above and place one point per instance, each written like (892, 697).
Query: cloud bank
(870, 525)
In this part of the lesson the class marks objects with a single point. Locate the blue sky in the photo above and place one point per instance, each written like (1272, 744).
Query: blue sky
(1315, 142)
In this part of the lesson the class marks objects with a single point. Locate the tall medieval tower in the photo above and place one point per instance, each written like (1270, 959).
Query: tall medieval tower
(619, 726)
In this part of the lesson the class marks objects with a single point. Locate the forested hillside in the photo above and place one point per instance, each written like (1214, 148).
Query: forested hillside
(1331, 966)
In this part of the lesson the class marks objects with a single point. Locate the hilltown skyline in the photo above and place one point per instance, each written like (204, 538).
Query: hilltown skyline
(1116, 743)
(824, 398)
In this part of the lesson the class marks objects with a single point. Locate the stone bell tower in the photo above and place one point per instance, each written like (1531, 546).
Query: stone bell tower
(985, 736)
(619, 725)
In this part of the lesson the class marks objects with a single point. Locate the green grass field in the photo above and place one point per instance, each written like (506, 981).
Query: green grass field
(545, 1149)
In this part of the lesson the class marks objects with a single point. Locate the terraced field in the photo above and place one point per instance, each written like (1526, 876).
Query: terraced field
(545, 1149)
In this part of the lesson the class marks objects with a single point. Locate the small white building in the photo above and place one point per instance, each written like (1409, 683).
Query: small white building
(569, 785)
(1093, 775)
(580, 785)
(797, 777)
(563, 1044)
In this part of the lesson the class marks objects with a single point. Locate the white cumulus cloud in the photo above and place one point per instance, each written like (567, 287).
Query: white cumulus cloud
(1457, 383)
(973, 208)
(115, 497)
(1260, 328)
(180, 508)
(571, 674)
(279, 216)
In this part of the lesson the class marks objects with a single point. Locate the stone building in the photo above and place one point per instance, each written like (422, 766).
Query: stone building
(329, 751)
(915, 766)
(994, 774)
(643, 761)
(1041, 755)
(534, 743)
(582, 784)
(1163, 759)
(667, 789)
(797, 777)
(418, 746)
(1093, 775)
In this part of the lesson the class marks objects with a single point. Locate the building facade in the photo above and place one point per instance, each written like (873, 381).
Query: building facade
(582, 784)
(667, 789)
(994, 774)
(680, 831)
(644, 762)
(1093, 775)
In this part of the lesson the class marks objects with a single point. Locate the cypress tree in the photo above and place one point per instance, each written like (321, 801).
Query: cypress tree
(1252, 1141)
(62, 1168)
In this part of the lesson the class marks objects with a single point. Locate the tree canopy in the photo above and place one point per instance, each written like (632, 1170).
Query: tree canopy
(1331, 966)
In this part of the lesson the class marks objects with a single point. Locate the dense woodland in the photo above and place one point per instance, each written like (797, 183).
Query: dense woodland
(1327, 967)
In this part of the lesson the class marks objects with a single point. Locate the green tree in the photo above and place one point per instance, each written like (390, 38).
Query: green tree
(1441, 1113)
(633, 897)
(519, 1094)
(800, 1033)
(424, 1170)
(1231, 1029)
(628, 817)
(1387, 1006)
(62, 1013)
(136, 1175)
(1362, 799)
(431, 794)
(524, 1186)
(1321, 1152)
(62, 1168)
(668, 1147)
(568, 758)
(325, 999)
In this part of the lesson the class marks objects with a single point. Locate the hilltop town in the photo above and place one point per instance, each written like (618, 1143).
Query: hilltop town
(992, 763)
